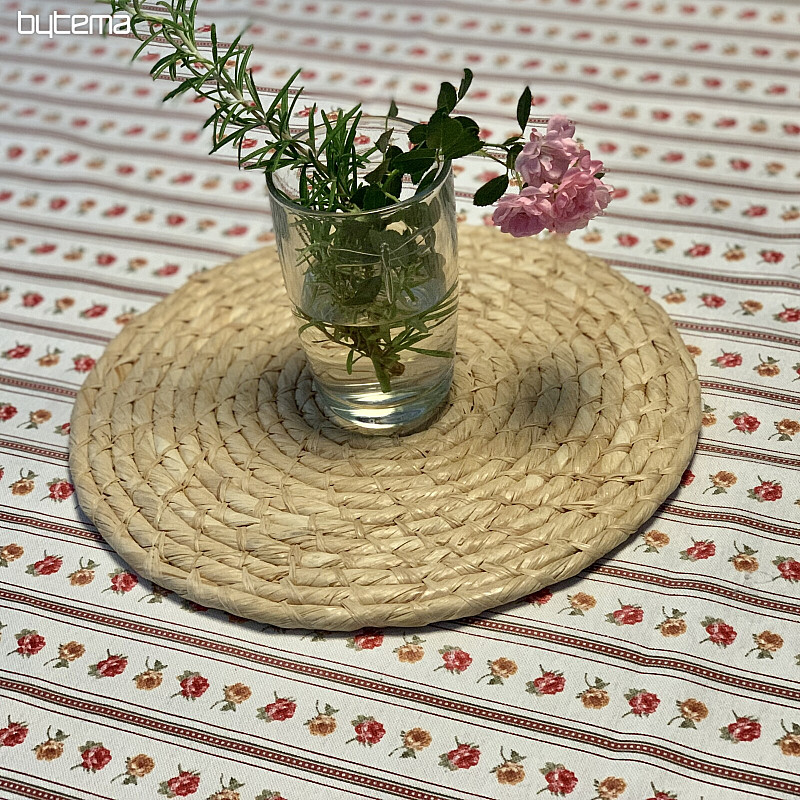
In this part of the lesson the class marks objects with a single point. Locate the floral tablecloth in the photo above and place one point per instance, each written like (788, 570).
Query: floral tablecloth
(669, 670)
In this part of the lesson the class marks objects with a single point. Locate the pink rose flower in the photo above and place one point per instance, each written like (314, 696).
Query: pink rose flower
(545, 159)
(580, 196)
(525, 214)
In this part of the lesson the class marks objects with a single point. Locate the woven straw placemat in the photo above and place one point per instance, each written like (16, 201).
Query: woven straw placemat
(199, 452)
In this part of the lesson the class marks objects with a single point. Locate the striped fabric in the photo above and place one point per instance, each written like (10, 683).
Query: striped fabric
(671, 669)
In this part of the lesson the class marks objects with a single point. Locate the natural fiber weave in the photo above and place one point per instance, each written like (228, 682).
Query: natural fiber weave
(198, 449)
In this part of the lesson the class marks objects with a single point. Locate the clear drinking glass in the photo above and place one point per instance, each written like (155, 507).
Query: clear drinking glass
(375, 295)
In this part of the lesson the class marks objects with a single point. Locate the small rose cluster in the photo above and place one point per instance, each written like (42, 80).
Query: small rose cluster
(562, 190)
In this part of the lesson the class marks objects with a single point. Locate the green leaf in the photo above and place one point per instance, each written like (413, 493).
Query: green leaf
(524, 107)
(367, 291)
(378, 174)
(468, 124)
(374, 198)
(441, 130)
(418, 133)
(417, 160)
(392, 109)
(383, 140)
(467, 143)
(466, 82)
(447, 99)
(492, 191)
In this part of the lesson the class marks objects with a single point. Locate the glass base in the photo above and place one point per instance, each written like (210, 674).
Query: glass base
(366, 409)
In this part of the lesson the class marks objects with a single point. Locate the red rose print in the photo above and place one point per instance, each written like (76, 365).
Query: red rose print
(699, 551)
(20, 351)
(685, 200)
(47, 566)
(236, 230)
(183, 784)
(719, 632)
(791, 128)
(697, 250)
(661, 114)
(13, 734)
(739, 164)
(105, 259)
(7, 411)
(789, 315)
(560, 780)
(687, 477)
(61, 490)
(31, 299)
(745, 423)
(789, 568)
(642, 703)
(541, 597)
(14, 152)
(725, 122)
(627, 240)
(766, 491)
(175, 219)
(43, 249)
(463, 757)
(193, 685)
(754, 211)
(29, 643)
(94, 756)
(607, 147)
(619, 193)
(57, 203)
(712, 300)
(109, 667)
(122, 582)
(113, 211)
(672, 157)
(546, 683)
(368, 730)
(282, 709)
(626, 615)
(83, 363)
(96, 310)
(728, 360)
(241, 185)
(166, 270)
(771, 256)
(744, 729)
(367, 641)
(183, 177)
(455, 659)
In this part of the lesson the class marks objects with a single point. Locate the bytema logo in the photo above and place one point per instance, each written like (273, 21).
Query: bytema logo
(71, 24)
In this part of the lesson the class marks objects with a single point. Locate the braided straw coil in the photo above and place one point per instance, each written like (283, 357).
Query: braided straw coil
(201, 455)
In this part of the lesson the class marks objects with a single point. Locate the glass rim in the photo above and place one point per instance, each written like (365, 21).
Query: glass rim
(441, 176)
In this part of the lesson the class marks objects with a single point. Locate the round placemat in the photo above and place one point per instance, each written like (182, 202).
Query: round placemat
(200, 453)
